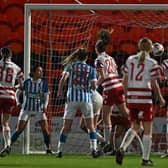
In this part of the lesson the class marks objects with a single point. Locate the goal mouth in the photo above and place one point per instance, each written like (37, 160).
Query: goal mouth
(52, 34)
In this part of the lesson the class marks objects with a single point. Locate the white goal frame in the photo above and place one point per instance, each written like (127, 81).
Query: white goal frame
(27, 32)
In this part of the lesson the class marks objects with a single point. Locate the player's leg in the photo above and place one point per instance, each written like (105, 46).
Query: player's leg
(5, 117)
(63, 136)
(20, 127)
(47, 140)
(107, 122)
(97, 101)
(118, 134)
(100, 137)
(110, 149)
(6, 134)
(147, 143)
(84, 128)
(22, 122)
(165, 155)
(69, 114)
(83, 125)
(123, 109)
(97, 106)
(93, 138)
(128, 138)
(87, 111)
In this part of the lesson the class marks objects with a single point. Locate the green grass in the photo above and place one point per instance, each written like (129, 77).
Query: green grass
(74, 161)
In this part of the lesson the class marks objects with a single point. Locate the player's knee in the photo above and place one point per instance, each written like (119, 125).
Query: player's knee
(6, 128)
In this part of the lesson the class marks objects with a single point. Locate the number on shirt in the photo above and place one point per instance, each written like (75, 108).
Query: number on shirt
(111, 67)
(138, 73)
(81, 78)
(8, 75)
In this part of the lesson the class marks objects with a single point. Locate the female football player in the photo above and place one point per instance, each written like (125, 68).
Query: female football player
(35, 102)
(9, 74)
(113, 91)
(140, 78)
(82, 79)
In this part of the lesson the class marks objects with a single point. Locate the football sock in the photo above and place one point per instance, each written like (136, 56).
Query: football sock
(61, 143)
(6, 136)
(15, 136)
(128, 138)
(93, 140)
(147, 142)
(107, 133)
(47, 140)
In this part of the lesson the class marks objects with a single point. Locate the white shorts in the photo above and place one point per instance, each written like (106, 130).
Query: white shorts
(97, 100)
(72, 107)
(25, 115)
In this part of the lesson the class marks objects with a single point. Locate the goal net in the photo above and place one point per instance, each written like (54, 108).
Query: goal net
(53, 31)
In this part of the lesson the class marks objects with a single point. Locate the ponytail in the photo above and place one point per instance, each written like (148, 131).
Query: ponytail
(79, 54)
(104, 38)
(142, 57)
(145, 45)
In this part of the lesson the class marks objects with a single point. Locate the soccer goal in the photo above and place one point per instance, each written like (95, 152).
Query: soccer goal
(53, 31)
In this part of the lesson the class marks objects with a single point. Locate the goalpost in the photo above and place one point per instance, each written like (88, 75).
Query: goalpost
(53, 31)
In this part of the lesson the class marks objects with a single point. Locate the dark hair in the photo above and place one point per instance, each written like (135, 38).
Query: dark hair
(104, 38)
(5, 52)
(33, 69)
(82, 53)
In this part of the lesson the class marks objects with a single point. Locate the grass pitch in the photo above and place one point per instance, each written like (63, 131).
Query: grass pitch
(75, 161)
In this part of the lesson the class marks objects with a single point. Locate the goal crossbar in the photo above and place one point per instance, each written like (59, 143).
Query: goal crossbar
(97, 6)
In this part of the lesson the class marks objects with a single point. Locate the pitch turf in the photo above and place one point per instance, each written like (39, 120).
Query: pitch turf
(75, 161)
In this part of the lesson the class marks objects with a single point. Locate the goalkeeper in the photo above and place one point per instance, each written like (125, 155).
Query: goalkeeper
(35, 101)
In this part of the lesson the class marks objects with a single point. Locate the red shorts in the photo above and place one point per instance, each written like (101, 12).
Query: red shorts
(114, 96)
(141, 112)
(119, 120)
(7, 105)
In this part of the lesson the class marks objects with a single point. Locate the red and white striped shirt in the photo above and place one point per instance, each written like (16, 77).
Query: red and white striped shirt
(165, 67)
(139, 78)
(107, 64)
(8, 76)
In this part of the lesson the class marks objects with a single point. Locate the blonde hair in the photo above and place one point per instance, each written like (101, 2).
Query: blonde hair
(79, 54)
(145, 45)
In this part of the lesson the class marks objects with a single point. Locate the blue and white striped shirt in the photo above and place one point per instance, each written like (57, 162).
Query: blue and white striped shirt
(34, 95)
(79, 85)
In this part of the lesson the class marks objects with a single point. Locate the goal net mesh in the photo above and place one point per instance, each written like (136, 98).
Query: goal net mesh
(55, 34)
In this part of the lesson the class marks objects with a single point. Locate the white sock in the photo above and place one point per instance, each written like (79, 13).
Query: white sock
(93, 144)
(6, 136)
(140, 142)
(100, 137)
(167, 137)
(128, 138)
(147, 143)
(60, 146)
(107, 133)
